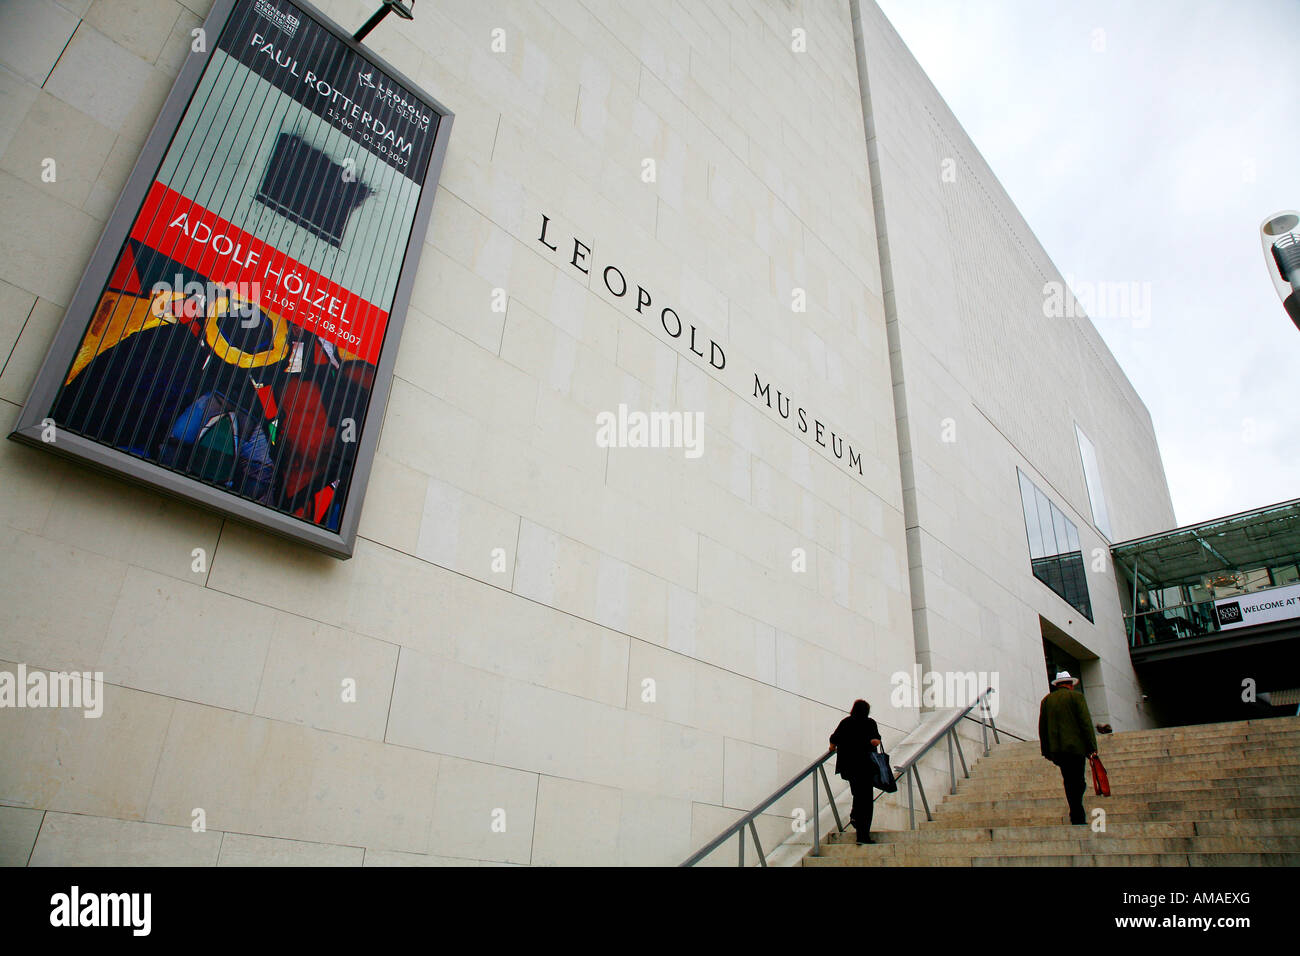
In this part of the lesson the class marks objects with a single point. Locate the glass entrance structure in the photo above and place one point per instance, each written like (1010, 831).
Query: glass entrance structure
(1182, 584)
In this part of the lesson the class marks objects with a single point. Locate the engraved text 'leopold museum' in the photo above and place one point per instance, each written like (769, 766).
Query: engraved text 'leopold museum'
(686, 334)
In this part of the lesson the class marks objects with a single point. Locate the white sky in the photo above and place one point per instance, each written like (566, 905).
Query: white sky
(1154, 160)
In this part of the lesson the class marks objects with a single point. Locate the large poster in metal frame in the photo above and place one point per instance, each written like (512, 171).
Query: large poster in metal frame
(232, 340)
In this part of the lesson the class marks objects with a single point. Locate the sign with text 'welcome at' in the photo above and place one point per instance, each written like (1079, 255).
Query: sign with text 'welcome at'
(1259, 607)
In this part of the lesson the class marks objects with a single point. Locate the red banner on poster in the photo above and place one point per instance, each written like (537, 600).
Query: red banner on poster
(185, 231)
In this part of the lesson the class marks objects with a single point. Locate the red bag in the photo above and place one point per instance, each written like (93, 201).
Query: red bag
(1100, 782)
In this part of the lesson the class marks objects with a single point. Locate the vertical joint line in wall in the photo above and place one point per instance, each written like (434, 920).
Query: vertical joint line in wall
(514, 562)
(30, 312)
(495, 136)
(532, 840)
(59, 58)
(167, 736)
(627, 698)
(213, 560)
(501, 341)
(697, 565)
(392, 692)
(675, 394)
(261, 679)
(36, 839)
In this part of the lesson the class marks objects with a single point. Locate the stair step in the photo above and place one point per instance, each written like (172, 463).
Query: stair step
(1082, 841)
(1123, 744)
(1283, 827)
(1113, 817)
(1152, 762)
(1289, 826)
(1120, 805)
(1120, 742)
(1212, 795)
(1119, 790)
(1266, 727)
(1270, 757)
(1138, 770)
(1211, 751)
(1000, 790)
(1086, 860)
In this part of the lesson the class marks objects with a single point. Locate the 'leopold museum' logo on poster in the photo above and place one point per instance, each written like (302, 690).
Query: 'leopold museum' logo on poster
(237, 328)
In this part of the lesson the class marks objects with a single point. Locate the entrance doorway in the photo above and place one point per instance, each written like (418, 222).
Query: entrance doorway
(1058, 659)
(1061, 652)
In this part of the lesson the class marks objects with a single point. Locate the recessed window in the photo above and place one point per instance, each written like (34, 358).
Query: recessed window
(1054, 550)
(307, 187)
(1092, 478)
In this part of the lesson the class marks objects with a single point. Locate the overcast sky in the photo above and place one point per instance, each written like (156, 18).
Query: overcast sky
(1154, 159)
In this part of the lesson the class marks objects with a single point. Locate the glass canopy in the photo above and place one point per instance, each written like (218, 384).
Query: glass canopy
(1174, 578)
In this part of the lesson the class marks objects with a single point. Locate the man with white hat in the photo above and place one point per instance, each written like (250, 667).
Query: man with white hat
(1067, 739)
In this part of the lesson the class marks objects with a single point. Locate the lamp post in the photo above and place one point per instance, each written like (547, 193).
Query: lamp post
(390, 6)
(1280, 235)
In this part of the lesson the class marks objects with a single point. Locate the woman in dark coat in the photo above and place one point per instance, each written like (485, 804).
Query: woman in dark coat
(854, 740)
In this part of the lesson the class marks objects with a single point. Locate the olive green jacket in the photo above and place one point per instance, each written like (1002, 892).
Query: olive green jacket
(1064, 724)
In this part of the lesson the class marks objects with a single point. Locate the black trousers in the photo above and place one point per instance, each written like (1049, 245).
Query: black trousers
(864, 806)
(1075, 785)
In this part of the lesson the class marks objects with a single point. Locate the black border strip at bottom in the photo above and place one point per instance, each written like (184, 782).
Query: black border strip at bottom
(914, 907)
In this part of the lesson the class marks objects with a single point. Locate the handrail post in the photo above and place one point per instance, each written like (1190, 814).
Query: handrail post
(911, 802)
(992, 725)
(984, 730)
(921, 789)
(956, 738)
(817, 830)
(952, 765)
(753, 830)
(1132, 617)
(741, 833)
(830, 798)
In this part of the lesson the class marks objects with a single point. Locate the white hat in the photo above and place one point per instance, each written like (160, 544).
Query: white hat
(1063, 677)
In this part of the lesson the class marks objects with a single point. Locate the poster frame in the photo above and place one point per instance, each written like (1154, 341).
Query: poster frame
(29, 428)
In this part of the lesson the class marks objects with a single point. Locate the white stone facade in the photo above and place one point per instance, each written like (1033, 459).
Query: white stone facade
(985, 383)
(502, 716)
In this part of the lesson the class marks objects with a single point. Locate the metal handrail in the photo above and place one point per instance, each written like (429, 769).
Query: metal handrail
(818, 769)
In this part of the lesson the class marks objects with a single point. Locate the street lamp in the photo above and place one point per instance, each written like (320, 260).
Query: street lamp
(1280, 235)
(390, 6)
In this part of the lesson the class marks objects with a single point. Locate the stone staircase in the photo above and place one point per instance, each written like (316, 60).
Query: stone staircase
(1207, 795)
